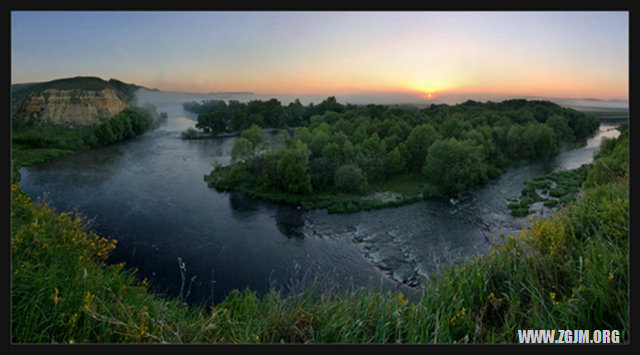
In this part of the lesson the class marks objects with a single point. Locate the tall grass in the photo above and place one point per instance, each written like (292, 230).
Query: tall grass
(566, 272)
(570, 271)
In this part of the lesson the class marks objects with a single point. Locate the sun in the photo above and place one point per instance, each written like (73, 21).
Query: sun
(428, 95)
(426, 92)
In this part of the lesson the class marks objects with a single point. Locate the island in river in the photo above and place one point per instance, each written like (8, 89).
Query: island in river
(349, 158)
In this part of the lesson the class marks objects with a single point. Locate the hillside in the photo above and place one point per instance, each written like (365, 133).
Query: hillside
(78, 101)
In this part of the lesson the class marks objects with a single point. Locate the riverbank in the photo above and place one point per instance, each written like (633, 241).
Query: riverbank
(567, 272)
(194, 134)
(397, 191)
(574, 276)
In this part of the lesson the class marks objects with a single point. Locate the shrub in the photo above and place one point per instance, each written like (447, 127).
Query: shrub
(350, 178)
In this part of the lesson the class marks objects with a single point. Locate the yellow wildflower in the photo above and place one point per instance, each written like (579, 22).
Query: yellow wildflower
(55, 296)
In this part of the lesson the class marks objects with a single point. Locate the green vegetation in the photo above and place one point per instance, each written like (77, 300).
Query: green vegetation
(612, 158)
(555, 189)
(340, 155)
(36, 144)
(33, 143)
(562, 187)
(570, 271)
(129, 123)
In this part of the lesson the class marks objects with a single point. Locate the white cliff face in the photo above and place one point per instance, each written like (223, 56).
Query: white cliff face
(70, 107)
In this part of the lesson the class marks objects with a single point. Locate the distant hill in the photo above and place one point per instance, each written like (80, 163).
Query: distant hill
(81, 100)
(89, 83)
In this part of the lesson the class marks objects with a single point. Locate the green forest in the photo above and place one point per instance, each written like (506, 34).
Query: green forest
(332, 150)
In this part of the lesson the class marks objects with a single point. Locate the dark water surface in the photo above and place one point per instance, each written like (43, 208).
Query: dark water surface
(149, 194)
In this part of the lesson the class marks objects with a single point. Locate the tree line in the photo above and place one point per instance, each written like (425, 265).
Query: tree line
(218, 116)
(129, 123)
(345, 148)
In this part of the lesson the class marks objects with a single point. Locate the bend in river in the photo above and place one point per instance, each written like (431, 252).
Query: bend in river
(149, 194)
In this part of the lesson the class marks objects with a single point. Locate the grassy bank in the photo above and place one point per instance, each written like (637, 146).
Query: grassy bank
(32, 145)
(566, 272)
(570, 271)
(396, 191)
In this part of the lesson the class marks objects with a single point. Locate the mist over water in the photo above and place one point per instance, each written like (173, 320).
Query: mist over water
(150, 195)
(163, 98)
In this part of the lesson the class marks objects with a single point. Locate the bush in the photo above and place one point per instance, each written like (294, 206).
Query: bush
(558, 192)
(34, 140)
(350, 178)
(190, 133)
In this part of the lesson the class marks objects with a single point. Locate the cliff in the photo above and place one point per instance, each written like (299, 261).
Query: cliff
(76, 101)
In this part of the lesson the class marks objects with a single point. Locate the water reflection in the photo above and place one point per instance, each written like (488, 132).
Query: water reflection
(290, 221)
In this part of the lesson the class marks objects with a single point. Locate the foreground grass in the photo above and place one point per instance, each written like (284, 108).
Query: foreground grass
(566, 272)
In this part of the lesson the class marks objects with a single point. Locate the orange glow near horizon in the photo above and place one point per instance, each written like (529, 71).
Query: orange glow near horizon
(549, 87)
(418, 55)
(437, 85)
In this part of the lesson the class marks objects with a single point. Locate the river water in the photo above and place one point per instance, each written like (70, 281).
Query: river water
(150, 195)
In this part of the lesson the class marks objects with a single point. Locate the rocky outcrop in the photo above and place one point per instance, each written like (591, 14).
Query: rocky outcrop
(72, 107)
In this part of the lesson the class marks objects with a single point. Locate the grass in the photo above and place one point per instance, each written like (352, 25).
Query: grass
(566, 272)
(32, 145)
(570, 271)
(396, 191)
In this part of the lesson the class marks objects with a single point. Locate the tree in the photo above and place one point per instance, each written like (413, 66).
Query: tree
(302, 134)
(293, 168)
(560, 127)
(242, 150)
(394, 163)
(332, 153)
(214, 122)
(418, 143)
(239, 119)
(254, 135)
(454, 166)
(372, 147)
(318, 142)
(350, 178)
(295, 112)
(543, 140)
(103, 133)
(517, 147)
(274, 114)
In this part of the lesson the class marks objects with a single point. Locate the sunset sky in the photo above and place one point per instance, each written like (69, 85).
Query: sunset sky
(550, 54)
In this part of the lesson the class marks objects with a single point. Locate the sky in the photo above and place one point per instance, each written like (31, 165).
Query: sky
(419, 54)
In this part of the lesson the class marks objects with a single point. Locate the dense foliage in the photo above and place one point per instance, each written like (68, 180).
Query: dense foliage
(453, 147)
(570, 271)
(129, 123)
(219, 116)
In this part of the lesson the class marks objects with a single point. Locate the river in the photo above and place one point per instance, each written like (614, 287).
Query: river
(149, 194)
